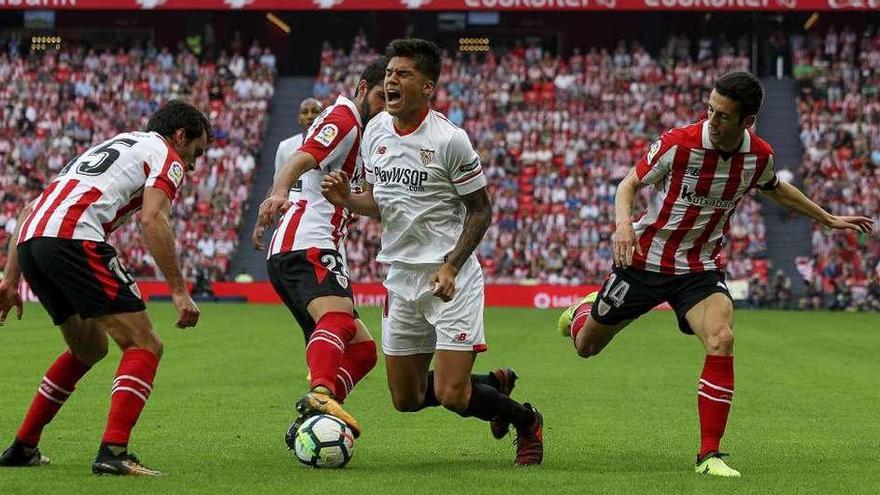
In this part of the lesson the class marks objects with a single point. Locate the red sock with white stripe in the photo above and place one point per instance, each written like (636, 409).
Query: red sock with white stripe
(131, 389)
(714, 397)
(357, 361)
(581, 313)
(57, 385)
(326, 347)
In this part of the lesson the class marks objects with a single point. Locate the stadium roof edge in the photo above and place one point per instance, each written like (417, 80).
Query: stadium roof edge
(450, 5)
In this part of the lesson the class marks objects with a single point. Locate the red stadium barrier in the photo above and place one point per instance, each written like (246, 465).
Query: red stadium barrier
(520, 296)
(489, 5)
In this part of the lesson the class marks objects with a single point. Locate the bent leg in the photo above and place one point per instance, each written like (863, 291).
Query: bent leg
(133, 385)
(593, 336)
(357, 361)
(86, 347)
(408, 382)
(626, 295)
(335, 327)
(452, 379)
(457, 392)
(87, 341)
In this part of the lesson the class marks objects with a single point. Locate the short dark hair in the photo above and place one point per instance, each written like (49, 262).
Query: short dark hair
(743, 88)
(177, 114)
(374, 73)
(425, 54)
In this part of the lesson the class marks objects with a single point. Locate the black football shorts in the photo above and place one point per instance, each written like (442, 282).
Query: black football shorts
(628, 294)
(74, 277)
(301, 276)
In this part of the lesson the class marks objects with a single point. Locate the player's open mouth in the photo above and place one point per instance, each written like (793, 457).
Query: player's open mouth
(392, 96)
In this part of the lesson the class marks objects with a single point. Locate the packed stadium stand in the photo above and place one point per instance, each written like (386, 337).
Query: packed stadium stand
(555, 135)
(839, 77)
(56, 104)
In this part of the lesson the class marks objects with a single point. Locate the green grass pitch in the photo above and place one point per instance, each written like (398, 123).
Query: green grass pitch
(806, 418)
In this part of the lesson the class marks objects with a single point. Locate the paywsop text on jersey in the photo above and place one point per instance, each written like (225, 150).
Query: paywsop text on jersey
(412, 179)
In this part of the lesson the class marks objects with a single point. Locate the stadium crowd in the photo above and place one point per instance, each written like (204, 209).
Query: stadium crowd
(555, 135)
(839, 102)
(56, 104)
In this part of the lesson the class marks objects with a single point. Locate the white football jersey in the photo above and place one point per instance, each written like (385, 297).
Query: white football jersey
(333, 140)
(98, 190)
(418, 179)
(286, 148)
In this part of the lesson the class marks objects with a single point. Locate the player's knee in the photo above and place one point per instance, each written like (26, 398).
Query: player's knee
(587, 346)
(152, 343)
(91, 356)
(370, 358)
(156, 347)
(586, 349)
(406, 403)
(454, 396)
(720, 340)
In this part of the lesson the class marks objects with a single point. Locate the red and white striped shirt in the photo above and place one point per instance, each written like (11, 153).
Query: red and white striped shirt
(333, 140)
(97, 191)
(696, 189)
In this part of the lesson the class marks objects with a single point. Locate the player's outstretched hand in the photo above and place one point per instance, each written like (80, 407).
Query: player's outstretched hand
(257, 236)
(9, 298)
(860, 224)
(186, 309)
(624, 242)
(443, 282)
(336, 188)
(270, 208)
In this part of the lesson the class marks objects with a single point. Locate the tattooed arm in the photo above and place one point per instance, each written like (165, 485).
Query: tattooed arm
(476, 223)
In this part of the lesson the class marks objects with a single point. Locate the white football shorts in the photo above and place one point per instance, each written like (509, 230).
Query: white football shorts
(417, 322)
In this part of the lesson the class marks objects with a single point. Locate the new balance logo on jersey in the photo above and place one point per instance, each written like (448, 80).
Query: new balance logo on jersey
(688, 195)
(381, 150)
(413, 179)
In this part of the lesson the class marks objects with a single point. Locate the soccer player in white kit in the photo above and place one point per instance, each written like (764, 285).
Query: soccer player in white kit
(308, 111)
(305, 257)
(63, 253)
(425, 183)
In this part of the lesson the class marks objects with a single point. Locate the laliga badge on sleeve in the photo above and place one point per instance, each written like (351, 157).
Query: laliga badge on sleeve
(327, 134)
(175, 173)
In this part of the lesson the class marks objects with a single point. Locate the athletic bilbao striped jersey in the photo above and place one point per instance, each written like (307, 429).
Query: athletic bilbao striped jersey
(311, 221)
(97, 191)
(696, 189)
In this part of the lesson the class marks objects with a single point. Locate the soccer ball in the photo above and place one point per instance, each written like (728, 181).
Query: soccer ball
(323, 442)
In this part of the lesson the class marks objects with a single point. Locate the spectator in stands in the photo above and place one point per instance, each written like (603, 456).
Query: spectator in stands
(757, 292)
(56, 103)
(781, 291)
(555, 135)
(839, 76)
